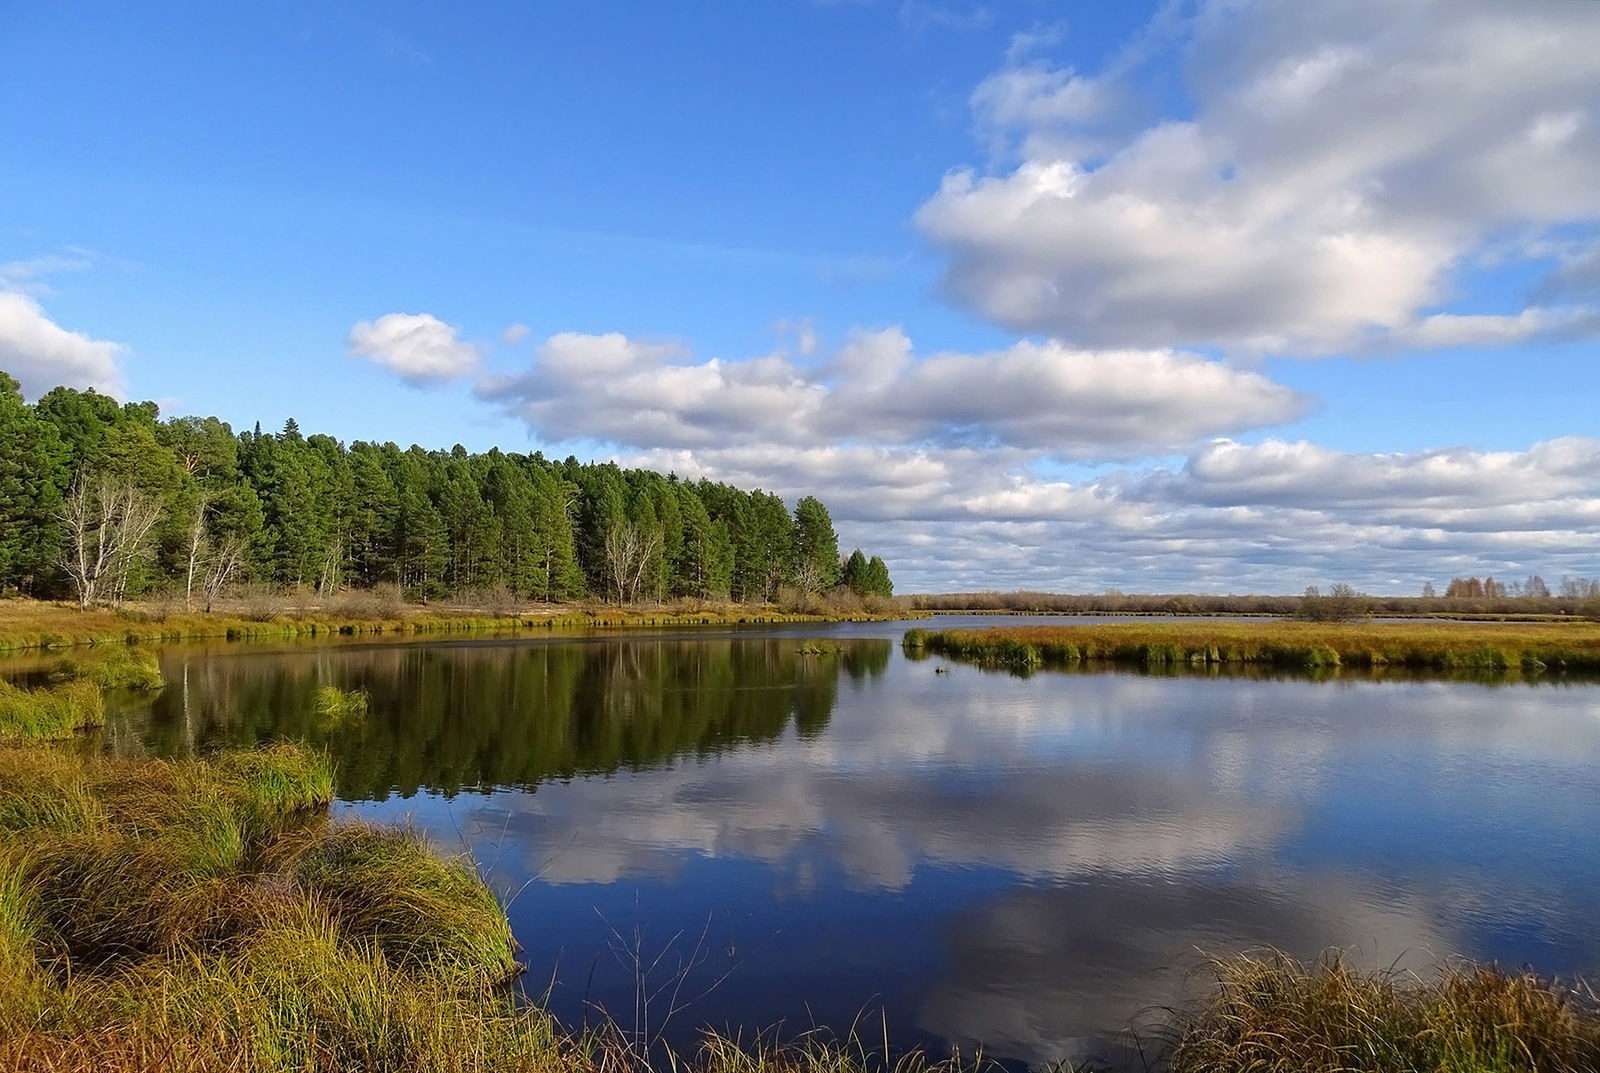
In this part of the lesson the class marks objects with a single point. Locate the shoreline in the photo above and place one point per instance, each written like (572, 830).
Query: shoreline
(27, 625)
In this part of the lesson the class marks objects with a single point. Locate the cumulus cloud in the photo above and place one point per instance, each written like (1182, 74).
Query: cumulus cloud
(1343, 162)
(41, 354)
(876, 390)
(1269, 517)
(1014, 468)
(418, 347)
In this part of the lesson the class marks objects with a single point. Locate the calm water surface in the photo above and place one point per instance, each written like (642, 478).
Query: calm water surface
(749, 831)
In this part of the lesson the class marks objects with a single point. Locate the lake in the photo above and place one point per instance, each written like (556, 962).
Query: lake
(800, 826)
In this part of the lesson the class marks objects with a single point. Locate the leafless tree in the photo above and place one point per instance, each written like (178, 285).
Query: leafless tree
(628, 549)
(222, 564)
(331, 578)
(108, 522)
(195, 544)
(808, 576)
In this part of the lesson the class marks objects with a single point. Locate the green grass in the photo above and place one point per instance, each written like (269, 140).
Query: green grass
(113, 667)
(208, 909)
(50, 714)
(336, 707)
(1271, 1014)
(424, 912)
(1520, 647)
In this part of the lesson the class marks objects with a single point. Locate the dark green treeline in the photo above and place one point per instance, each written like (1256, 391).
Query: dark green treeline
(309, 511)
(475, 716)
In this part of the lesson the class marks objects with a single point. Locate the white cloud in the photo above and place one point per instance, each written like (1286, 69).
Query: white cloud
(29, 276)
(994, 470)
(875, 390)
(1342, 163)
(515, 334)
(418, 347)
(1487, 329)
(41, 354)
(1268, 517)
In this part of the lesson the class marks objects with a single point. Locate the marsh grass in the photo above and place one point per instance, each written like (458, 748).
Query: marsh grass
(1273, 1014)
(113, 667)
(386, 886)
(49, 714)
(336, 707)
(206, 915)
(1450, 647)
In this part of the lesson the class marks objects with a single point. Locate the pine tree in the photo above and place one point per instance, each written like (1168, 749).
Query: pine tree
(816, 546)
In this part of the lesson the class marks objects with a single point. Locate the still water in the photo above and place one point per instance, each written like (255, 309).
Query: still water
(802, 826)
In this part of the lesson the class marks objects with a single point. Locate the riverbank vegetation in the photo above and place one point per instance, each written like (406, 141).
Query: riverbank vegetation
(38, 624)
(102, 502)
(1438, 646)
(207, 915)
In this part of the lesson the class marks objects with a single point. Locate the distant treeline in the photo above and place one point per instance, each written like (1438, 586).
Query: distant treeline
(101, 501)
(1574, 596)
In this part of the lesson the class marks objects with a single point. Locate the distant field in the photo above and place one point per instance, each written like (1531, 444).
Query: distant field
(1430, 645)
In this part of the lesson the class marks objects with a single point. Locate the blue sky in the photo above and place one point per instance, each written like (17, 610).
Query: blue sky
(1239, 296)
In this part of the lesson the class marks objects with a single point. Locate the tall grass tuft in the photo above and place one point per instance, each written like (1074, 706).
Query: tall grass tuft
(422, 910)
(206, 914)
(51, 714)
(336, 707)
(1274, 1013)
(113, 667)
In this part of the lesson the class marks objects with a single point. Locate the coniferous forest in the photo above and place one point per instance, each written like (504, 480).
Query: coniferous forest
(102, 501)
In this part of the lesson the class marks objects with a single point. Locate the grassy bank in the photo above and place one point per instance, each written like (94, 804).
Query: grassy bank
(36, 624)
(1428, 646)
(206, 915)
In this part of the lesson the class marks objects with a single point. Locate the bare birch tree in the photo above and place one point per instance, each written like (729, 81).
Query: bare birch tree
(108, 522)
(628, 549)
(226, 557)
(196, 541)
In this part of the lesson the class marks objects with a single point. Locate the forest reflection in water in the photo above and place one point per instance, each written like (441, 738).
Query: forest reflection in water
(480, 715)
